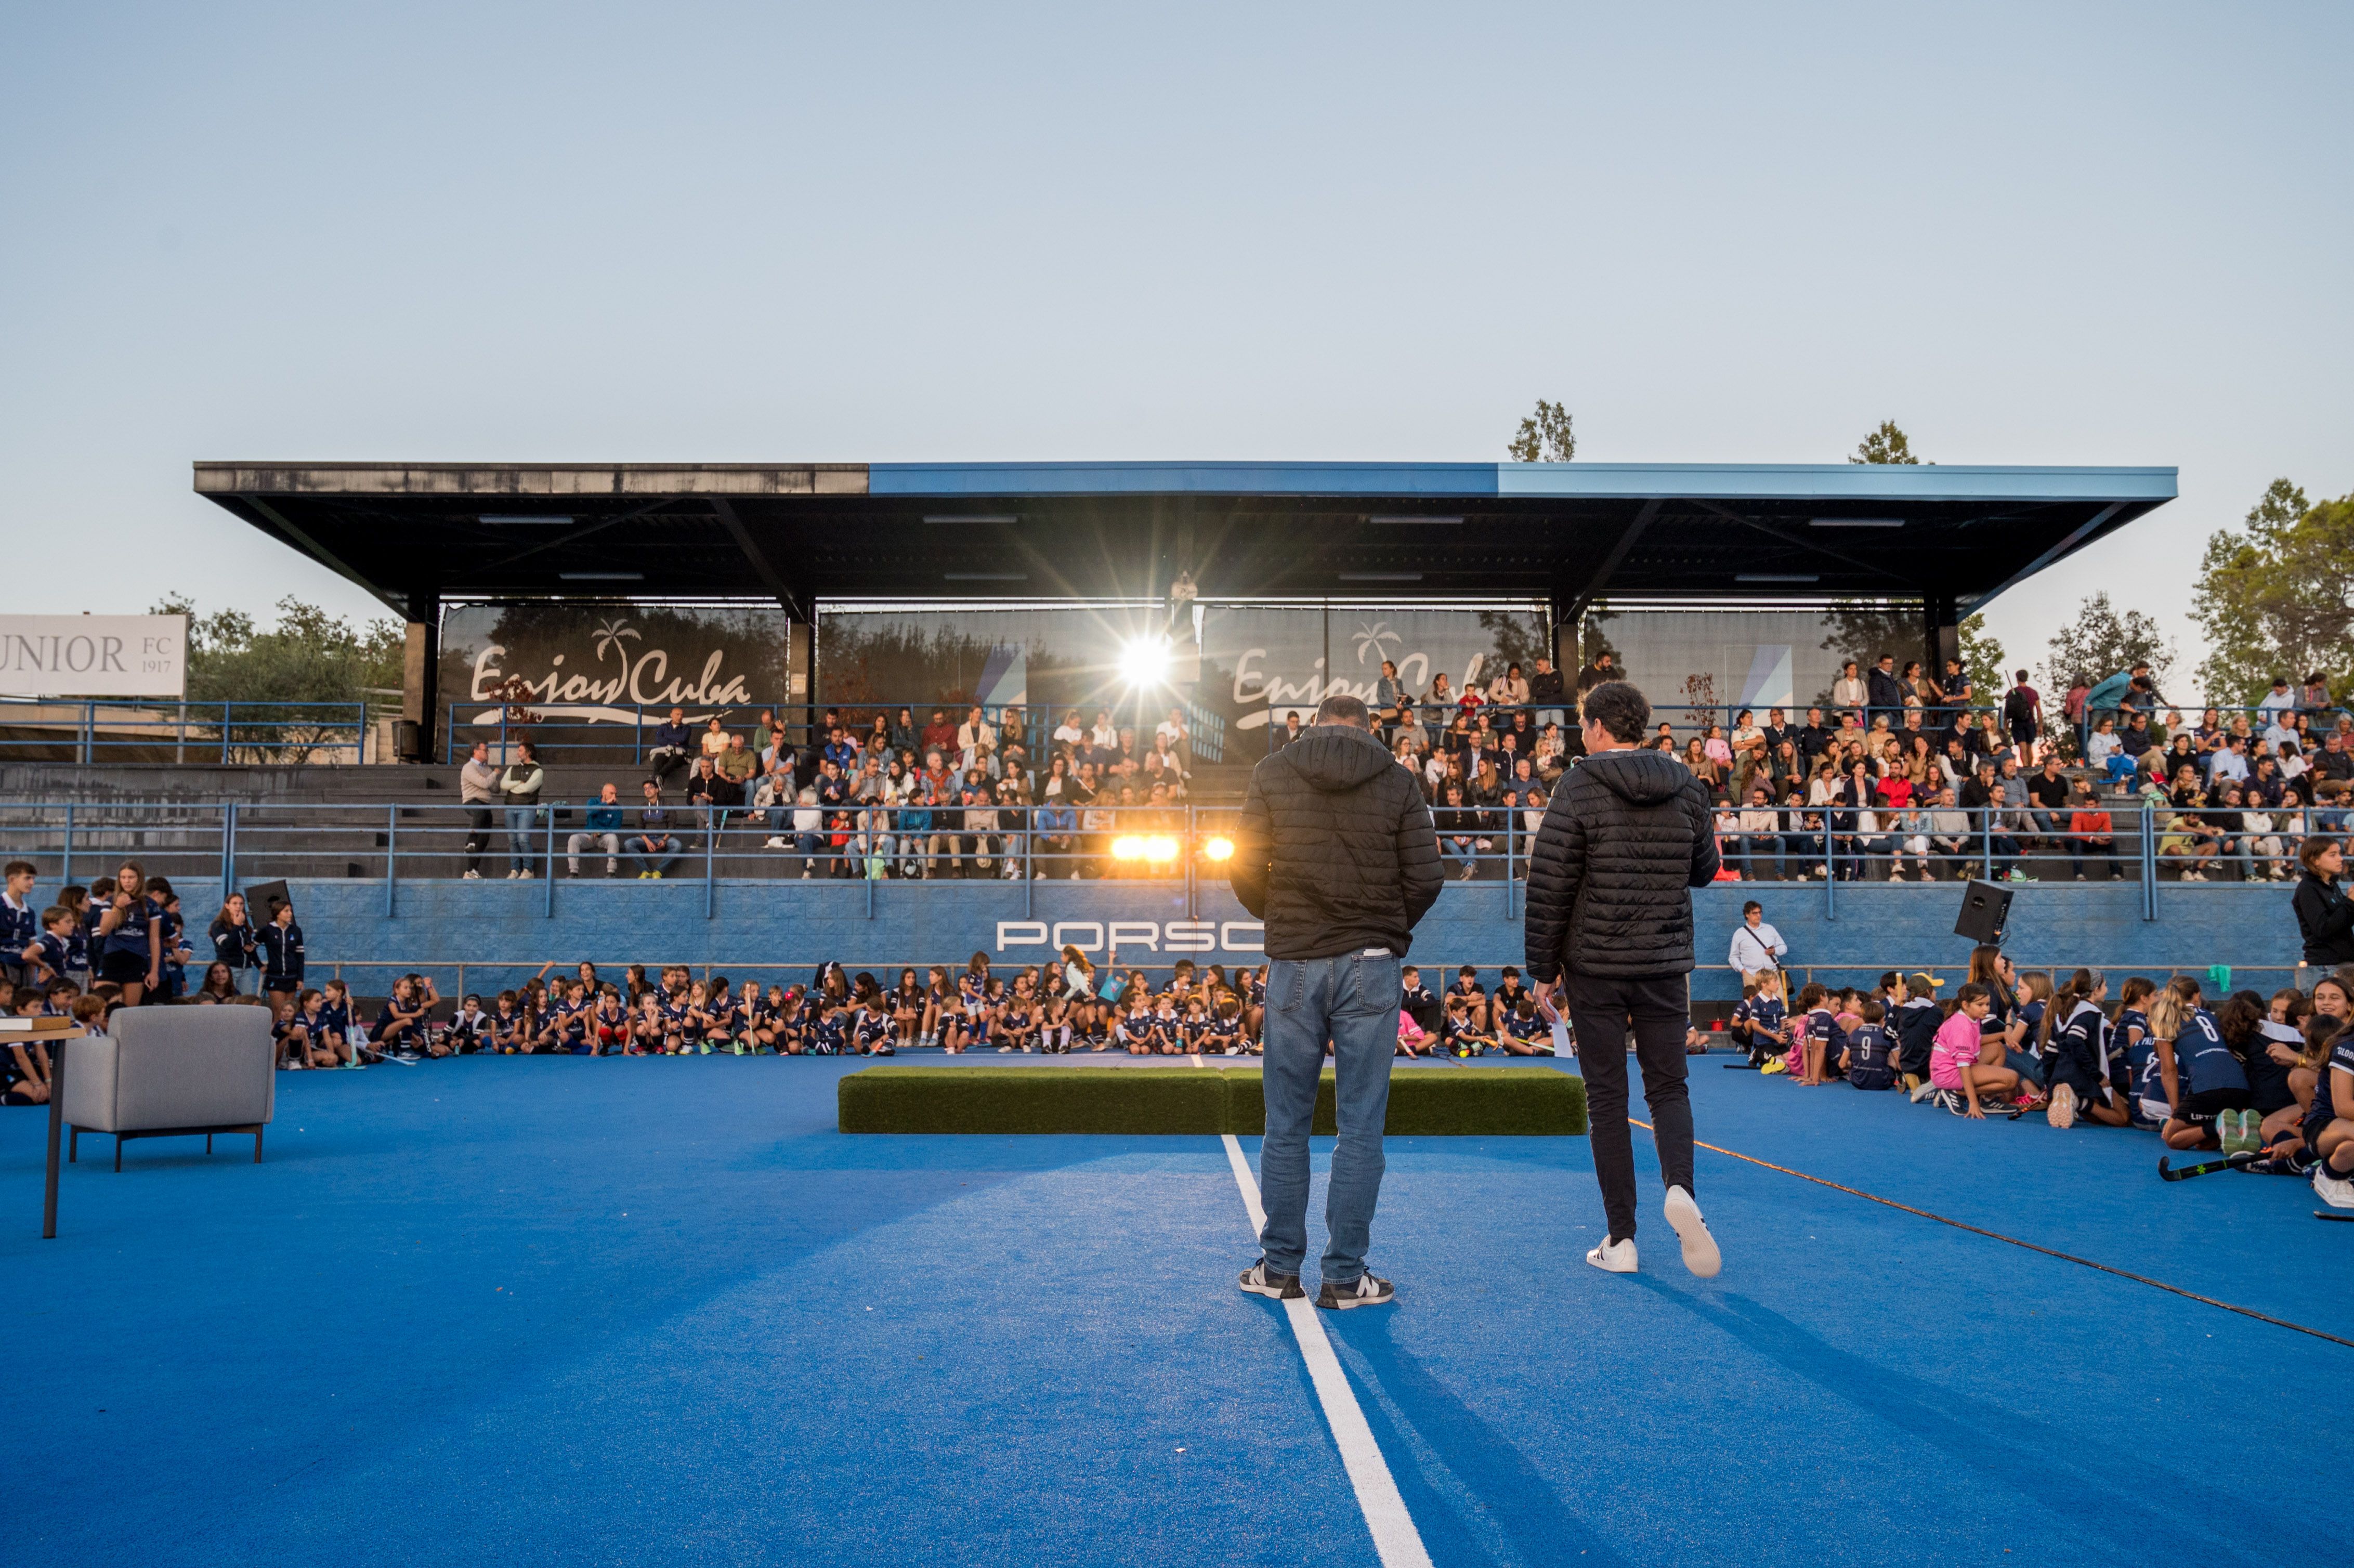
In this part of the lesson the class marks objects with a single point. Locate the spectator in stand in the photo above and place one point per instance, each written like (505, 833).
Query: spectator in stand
(2051, 795)
(2073, 707)
(976, 740)
(2277, 702)
(1848, 693)
(940, 734)
(1756, 853)
(654, 846)
(602, 826)
(234, 943)
(2111, 695)
(1510, 689)
(2022, 715)
(519, 786)
(1604, 667)
(737, 764)
(1546, 691)
(2091, 834)
(478, 792)
(672, 744)
(714, 739)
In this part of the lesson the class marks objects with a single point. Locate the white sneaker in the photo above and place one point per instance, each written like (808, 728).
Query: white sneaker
(2062, 1112)
(1614, 1256)
(1700, 1247)
(524, 875)
(2338, 1191)
(472, 876)
(1925, 1089)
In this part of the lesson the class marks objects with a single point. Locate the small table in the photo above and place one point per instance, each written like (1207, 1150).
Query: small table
(53, 1033)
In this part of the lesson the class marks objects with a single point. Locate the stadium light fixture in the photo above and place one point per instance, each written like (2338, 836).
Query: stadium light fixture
(1161, 849)
(1128, 846)
(1219, 849)
(1144, 661)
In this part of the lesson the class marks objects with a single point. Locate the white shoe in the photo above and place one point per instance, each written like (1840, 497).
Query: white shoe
(1700, 1247)
(1614, 1256)
(511, 874)
(2338, 1191)
(524, 875)
(2062, 1112)
(472, 876)
(1923, 1092)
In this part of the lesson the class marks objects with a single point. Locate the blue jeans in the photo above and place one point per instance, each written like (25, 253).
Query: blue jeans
(1352, 1001)
(522, 837)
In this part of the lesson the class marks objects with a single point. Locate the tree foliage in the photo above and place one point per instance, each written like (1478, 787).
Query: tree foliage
(1982, 657)
(310, 656)
(2096, 642)
(2276, 597)
(1887, 444)
(1544, 436)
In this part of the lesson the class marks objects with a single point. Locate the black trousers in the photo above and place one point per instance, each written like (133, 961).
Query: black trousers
(478, 835)
(1658, 1010)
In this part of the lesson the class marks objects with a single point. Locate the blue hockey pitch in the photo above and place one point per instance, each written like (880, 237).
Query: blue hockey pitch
(656, 1311)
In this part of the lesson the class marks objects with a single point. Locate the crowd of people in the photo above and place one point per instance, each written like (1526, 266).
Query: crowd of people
(888, 798)
(2268, 1080)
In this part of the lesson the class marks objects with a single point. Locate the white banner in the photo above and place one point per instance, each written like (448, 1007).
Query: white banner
(93, 655)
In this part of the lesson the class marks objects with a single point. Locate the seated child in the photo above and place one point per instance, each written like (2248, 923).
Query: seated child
(1960, 1078)
(1412, 1040)
(2329, 1125)
(1528, 1029)
(609, 1024)
(1135, 1031)
(1870, 1054)
(1769, 1020)
(1461, 1031)
(469, 1029)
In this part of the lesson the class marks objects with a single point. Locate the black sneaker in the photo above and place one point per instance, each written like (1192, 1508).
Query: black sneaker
(1261, 1280)
(1365, 1290)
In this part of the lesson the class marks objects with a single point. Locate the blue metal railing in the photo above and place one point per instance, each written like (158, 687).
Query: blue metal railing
(224, 846)
(67, 730)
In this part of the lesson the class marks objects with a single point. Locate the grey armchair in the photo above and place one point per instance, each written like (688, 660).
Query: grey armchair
(173, 1071)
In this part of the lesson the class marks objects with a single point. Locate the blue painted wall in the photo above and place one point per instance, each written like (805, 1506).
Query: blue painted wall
(502, 930)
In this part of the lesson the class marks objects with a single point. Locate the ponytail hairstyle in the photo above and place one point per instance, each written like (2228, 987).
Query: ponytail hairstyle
(2137, 988)
(2185, 990)
(2166, 1010)
(2079, 987)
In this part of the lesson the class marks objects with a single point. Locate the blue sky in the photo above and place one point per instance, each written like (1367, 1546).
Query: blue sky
(2032, 233)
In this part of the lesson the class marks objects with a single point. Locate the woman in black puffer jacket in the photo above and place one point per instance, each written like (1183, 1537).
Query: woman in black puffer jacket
(2325, 916)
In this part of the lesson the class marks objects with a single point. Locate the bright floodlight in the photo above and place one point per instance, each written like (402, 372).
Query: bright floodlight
(1145, 662)
(1160, 848)
(1128, 846)
(1219, 849)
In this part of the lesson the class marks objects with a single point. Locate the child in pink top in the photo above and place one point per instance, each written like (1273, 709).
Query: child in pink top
(1953, 1055)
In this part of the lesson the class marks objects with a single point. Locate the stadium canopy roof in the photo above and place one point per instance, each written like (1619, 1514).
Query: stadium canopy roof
(800, 533)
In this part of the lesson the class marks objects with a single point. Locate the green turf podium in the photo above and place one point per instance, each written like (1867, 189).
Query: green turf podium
(1500, 1102)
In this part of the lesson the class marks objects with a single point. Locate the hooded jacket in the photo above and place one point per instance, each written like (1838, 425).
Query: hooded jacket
(1335, 850)
(1626, 838)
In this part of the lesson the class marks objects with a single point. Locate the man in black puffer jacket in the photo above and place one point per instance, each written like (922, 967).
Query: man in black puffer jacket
(1626, 838)
(1336, 853)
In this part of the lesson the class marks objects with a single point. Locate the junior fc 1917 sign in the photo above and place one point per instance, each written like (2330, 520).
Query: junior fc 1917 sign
(93, 655)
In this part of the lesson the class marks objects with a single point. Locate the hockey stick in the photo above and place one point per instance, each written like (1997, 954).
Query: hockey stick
(2229, 1162)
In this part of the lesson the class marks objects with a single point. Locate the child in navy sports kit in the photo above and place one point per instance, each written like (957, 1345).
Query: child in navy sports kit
(1871, 1056)
(2202, 1075)
(1767, 1033)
